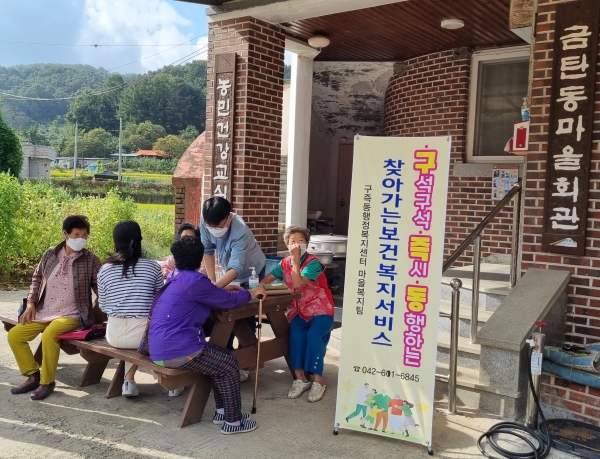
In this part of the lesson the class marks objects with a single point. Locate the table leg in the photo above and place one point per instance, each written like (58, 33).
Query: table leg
(196, 402)
(8, 326)
(116, 385)
(220, 333)
(95, 368)
(281, 328)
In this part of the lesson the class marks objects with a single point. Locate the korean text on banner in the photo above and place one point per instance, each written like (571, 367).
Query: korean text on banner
(393, 276)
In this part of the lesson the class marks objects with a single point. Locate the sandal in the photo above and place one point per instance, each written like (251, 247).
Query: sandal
(28, 385)
(41, 394)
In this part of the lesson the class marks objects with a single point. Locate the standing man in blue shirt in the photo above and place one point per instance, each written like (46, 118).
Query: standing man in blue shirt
(226, 234)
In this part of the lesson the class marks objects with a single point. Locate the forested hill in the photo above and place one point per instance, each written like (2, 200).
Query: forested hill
(171, 96)
(44, 81)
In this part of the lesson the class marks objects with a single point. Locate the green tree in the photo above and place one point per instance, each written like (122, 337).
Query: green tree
(165, 100)
(172, 145)
(142, 136)
(11, 150)
(36, 135)
(96, 143)
(189, 134)
(99, 110)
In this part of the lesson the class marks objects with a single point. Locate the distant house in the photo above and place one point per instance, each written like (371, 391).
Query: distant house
(37, 160)
(82, 163)
(152, 154)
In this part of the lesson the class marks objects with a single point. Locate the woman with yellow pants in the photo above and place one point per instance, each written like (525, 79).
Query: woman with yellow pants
(59, 301)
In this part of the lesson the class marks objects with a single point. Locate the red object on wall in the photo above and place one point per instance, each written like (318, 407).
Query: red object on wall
(521, 136)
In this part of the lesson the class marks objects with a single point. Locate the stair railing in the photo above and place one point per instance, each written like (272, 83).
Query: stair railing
(475, 238)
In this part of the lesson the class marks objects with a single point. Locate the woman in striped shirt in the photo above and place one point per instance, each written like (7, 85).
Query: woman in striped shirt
(127, 284)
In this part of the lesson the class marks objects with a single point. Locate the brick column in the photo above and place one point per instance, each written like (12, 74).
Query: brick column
(260, 51)
(583, 309)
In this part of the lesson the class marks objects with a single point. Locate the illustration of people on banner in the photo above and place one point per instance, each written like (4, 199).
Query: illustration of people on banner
(395, 248)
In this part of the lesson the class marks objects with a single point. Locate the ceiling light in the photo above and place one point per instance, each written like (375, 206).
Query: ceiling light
(453, 24)
(318, 41)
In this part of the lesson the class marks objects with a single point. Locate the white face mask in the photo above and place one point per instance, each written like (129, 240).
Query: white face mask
(217, 232)
(302, 249)
(77, 243)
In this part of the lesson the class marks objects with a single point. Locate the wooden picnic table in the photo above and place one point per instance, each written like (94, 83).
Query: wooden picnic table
(97, 353)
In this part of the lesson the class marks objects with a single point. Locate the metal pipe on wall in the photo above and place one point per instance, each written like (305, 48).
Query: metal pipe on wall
(514, 255)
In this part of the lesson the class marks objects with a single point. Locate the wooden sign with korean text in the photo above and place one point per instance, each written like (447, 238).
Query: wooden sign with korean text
(224, 111)
(571, 126)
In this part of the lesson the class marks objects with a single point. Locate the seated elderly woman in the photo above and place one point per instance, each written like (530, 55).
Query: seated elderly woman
(176, 338)
(59, 301)
(310, 317)
(185, 229)
(127, 284)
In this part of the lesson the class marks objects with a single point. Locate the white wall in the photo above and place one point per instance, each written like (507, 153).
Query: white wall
(348, 99)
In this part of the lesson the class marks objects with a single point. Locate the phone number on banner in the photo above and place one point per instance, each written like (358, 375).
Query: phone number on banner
(387, 373)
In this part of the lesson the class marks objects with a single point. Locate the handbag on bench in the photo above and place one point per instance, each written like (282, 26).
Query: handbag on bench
(87, 334)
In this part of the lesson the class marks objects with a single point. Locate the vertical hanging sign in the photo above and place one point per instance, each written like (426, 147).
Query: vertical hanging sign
(394, 265)
(224, 115)
(571, 126)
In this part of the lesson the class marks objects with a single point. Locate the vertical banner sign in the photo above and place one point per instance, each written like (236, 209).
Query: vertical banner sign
(571, 126)
(224, 111)
(393, 278)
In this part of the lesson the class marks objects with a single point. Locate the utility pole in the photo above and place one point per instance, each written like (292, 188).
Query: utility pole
(75, 153)
(120, 130)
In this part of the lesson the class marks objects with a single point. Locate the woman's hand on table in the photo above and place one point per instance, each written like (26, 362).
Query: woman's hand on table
(258, 291)
(232, 288)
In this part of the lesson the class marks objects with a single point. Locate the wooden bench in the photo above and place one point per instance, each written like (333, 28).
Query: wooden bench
(97, 353)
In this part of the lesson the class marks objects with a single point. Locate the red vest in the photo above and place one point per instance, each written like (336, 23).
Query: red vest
(316, 300)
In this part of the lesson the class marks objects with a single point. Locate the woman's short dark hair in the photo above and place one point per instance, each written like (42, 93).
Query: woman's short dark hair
(127, 236)
(76, 221)
(187, 226)
(187, 252)
(215, 210)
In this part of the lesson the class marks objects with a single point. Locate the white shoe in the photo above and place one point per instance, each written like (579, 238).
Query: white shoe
(130, 389)
(244, 375)
(316, 392)
(176, 392)
(298, 388)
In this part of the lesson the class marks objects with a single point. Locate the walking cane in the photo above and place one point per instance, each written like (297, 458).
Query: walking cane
(259, 328)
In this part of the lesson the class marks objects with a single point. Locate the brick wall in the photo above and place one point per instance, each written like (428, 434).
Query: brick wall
(260, 51)
(428, 96)
(583, 310)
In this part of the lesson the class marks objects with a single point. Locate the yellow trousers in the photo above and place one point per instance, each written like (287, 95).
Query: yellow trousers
(20, 335)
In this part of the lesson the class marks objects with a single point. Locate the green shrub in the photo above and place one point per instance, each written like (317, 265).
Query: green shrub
(31, 216)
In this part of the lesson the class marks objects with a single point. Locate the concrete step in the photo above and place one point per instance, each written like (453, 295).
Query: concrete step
(468, 354)
(471, 394)
(493, 284)
(464, 315)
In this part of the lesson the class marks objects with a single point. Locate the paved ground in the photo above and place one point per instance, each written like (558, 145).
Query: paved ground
(80, 423)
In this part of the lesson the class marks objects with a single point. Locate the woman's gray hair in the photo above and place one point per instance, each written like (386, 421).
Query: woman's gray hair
(296, 229)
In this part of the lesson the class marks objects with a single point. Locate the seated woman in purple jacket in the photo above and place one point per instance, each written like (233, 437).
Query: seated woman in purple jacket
(176, 337)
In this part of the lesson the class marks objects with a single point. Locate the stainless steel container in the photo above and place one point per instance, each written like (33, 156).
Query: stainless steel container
(324, 256)
(333, 242)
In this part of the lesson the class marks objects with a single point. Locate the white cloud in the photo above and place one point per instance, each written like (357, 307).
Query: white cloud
(143, 22)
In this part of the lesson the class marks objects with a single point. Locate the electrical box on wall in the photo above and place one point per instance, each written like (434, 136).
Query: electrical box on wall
(521, 136)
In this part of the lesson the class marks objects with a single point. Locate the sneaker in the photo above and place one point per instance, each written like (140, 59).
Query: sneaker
(316, 392)
(246, 425)
(298, 388)
(176, 392)
(244, 375)
(219, 419)
(32, 383)
(130, 389)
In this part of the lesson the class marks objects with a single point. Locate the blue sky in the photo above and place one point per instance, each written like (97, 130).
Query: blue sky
(102, 22)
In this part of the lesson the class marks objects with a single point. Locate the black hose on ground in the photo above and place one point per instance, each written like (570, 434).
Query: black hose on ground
(522, 432)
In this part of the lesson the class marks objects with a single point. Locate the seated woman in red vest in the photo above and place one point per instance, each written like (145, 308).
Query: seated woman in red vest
(310, 317)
